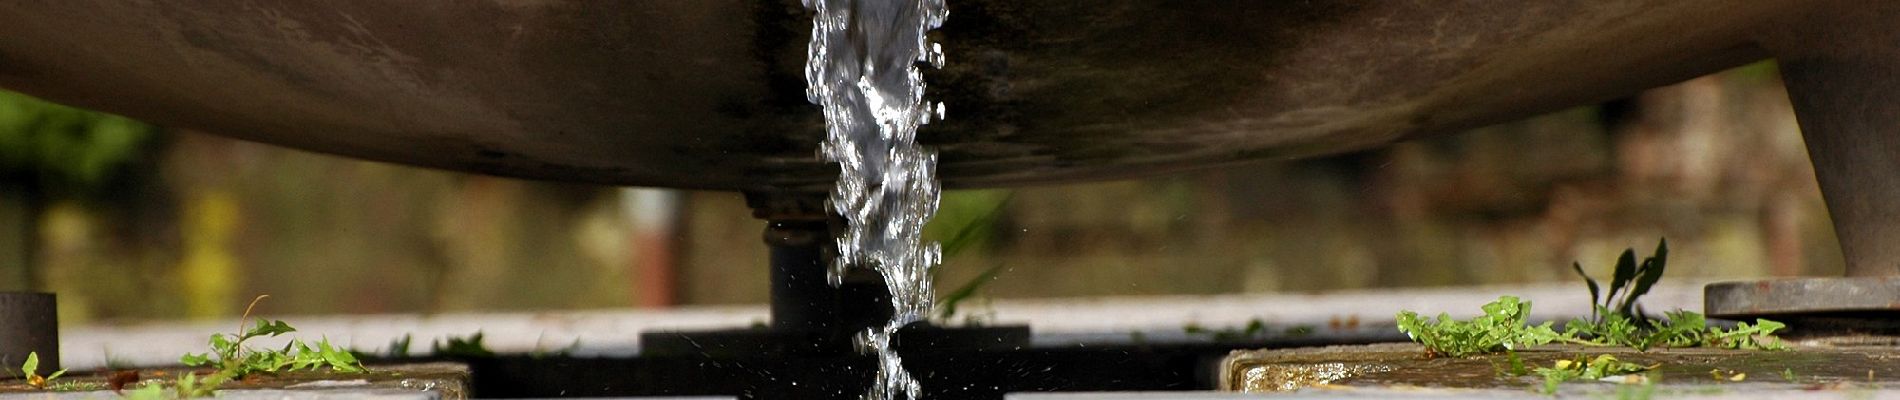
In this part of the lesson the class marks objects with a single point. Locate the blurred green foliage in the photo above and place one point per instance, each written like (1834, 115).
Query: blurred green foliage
(66, 149)
(966, 220)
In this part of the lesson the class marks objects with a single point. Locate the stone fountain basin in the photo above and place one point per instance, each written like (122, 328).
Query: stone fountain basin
(709, 94)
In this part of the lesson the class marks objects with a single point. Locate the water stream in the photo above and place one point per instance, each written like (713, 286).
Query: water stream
(863, 69)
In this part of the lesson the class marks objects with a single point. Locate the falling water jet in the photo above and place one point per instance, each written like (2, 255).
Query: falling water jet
(862, 68)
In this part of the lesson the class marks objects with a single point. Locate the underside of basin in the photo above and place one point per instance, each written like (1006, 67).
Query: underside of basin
(710, 94)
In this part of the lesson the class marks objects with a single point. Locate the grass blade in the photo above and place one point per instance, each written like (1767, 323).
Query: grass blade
(1577, 266)
(948, 305)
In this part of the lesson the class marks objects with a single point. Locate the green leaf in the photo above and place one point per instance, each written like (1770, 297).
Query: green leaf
(1592, 283)
(195, 360)
(1768, 327)
(222, 345)
(949, 302)
(1584, 367)
(1501, 328)
(268, 328)
(188, 383)
(462, 347)
(1646, 277)
(32, 365)
(969, 233)
(1625, 272)
(399, 348)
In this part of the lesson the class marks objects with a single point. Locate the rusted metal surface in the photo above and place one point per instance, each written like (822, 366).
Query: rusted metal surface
(1817, 296)
(1842, 67)
(29, 323)
(1840, 61)
(709, 94)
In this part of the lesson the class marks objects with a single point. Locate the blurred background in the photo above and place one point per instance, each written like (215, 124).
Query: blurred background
(132, 222)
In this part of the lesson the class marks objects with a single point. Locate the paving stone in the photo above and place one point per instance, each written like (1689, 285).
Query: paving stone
(1403, 370)
(420, 381)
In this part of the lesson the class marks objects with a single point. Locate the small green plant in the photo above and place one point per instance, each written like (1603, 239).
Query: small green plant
(234, 361)
(32, 370)
(1254, 329)
(1503, 327)
(189, 386)
(1584, 367)
(459, 347)
(231, 357)
(1617, 319)
(399, 347)
(1630, 280)
(947, 307)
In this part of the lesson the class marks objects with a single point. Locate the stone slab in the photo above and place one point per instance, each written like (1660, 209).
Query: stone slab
(1441, 393)
(258, 394)
(1404, 370)
(419, 381)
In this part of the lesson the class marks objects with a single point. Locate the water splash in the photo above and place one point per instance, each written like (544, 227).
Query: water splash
(862, 68)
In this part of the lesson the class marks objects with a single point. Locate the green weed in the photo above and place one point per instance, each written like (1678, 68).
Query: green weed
(459, 347)
(233, 360)
(1617, 319)
(32, 370)
(1583, 367)
(1501, 328)
(1255, 329)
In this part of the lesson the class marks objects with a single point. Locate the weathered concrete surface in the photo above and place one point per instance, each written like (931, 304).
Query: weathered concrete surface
(1404, 368)
(1735, 392)
(427, 381)
(247, 394)
(708, 94)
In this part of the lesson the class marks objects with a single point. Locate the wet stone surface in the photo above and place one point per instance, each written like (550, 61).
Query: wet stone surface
(1404, 370)
(423, 381)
